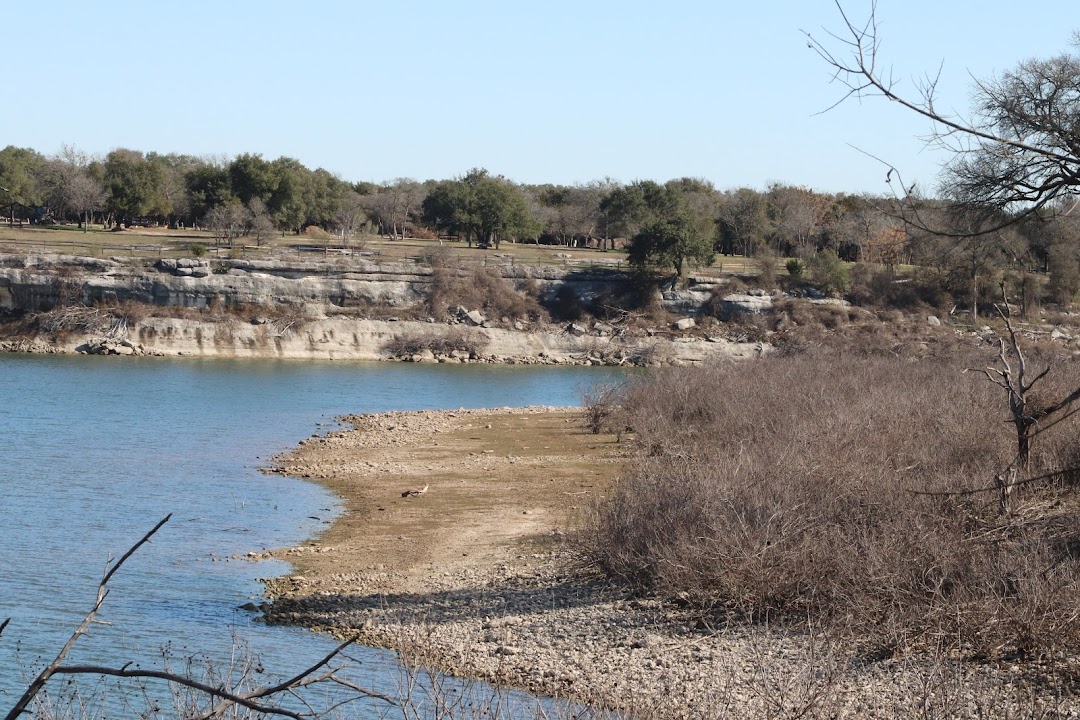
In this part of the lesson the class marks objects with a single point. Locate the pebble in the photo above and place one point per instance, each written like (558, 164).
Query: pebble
(551, 626)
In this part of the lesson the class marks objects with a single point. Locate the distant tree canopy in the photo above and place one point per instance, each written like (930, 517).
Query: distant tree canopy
(21, 171)
(675, 223)
(673, 226)
(481, 207)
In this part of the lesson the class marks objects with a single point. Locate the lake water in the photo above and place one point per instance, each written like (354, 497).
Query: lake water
(96, 450)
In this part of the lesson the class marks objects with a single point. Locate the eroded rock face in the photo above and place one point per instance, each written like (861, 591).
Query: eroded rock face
(747, 304)
(39, 282)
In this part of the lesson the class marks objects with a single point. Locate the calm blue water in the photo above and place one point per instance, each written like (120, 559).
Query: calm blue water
(95, 451)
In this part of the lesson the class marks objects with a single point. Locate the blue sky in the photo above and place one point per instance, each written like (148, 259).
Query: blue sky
(555, 91)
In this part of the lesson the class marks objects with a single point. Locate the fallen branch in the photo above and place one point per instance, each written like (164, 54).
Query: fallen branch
(996, 487)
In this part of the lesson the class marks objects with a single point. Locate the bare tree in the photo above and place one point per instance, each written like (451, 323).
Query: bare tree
(227, 221)
(799, 213)
(395, 205)
(350, 216)
(85, 195)
(744, 221)
(259, 222)
(71, 186)
(1018, 155)
(1030, 415)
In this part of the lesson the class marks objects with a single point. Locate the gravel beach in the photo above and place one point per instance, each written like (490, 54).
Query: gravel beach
(455, 551)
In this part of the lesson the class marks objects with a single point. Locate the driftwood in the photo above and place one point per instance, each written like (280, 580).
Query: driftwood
(415, 493)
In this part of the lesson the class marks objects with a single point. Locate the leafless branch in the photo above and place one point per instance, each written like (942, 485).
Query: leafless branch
(43, 677)
(1018, 155)
(995, 487)
(260, 700)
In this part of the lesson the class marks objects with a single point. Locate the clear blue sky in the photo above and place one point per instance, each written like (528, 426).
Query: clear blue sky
(559, 91)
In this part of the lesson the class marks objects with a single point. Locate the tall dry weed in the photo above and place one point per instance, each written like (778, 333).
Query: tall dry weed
(840, 488)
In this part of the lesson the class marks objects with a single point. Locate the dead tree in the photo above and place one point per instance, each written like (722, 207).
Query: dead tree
(1029, 415)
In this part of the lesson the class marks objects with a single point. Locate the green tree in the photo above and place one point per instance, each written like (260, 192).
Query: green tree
(680, 239)
(323, 195)
(482, 207)
(176, 198)
(208, 187)
(828, 272)
(626, 210)
(252, 177)
(134, 185)
(289, 203)
(21, 172)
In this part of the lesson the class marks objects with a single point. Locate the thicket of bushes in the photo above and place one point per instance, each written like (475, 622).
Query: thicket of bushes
(802, 487)
(441, 342)
(481, 288)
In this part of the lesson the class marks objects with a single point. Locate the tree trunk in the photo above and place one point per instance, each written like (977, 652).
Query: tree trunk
(974, 296)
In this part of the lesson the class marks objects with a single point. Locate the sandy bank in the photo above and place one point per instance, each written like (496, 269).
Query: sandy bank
(474, 576)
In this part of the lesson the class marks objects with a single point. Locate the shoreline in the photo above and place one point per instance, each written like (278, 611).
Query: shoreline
(350, 339)
(477, 577)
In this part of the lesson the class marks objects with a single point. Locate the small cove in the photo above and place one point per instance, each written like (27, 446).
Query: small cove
(98, 449)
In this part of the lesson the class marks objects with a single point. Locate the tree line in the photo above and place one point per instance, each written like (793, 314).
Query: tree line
(252, 196)
(676, 225)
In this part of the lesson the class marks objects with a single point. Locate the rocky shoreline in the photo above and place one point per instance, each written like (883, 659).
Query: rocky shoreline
(526, 610)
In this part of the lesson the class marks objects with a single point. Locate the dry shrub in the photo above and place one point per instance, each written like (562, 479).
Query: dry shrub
(440, 342)
(314, 231)
(482, 288)
(63, 320)
(602, 408)
(796, 488)
(132, 312)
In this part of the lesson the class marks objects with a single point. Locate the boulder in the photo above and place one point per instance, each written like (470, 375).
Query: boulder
(746, 304)
(684, 324)
(685, 301)
(577, 330)
(603, 328)
(474, 317)
(933, 321)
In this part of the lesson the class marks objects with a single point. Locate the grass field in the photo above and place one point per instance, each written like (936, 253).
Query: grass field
(163, 242)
